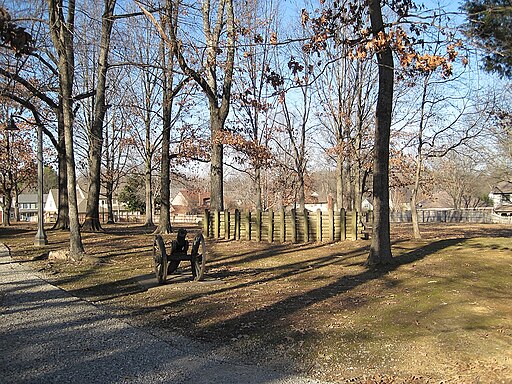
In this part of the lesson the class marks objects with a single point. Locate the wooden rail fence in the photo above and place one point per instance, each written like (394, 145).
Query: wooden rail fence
(283, 226)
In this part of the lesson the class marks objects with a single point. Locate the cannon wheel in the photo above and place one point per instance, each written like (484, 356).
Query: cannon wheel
(198, 257)
(160, 259)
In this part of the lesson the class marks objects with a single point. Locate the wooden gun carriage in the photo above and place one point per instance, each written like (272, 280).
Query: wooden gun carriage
(166, 264)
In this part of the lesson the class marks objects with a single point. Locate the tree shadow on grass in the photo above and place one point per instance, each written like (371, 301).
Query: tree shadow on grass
(268, 316)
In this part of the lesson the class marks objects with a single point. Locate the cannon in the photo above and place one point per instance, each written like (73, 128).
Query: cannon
(166, 264)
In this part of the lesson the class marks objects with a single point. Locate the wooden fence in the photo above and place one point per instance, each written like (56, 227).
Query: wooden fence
(283, 226)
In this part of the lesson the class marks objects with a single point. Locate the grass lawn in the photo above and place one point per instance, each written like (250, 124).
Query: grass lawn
(442, 313)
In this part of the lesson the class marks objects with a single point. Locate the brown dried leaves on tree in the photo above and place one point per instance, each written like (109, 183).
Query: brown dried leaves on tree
(363, 44)
(13, 36)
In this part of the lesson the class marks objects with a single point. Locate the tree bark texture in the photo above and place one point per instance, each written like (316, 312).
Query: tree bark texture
(92, 217)
(217, 162)
(62, 36)
(164, 225)
(63, 201)
(380, 249)
(148, 196)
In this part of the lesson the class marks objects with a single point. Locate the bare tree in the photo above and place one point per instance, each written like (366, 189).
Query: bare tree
(92, 222)
(253, 94)
(62, 30)
(31, 83)
(346, 90)
(213, 74)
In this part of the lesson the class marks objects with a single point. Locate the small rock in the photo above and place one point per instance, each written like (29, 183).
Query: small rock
(58, 255)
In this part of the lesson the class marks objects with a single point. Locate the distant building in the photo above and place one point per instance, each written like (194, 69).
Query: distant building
(190, 202)
(501, 195)
(28, 206)
(51, 206)
(366, 205)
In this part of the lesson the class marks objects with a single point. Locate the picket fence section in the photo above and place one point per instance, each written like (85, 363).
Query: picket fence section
(282, 226)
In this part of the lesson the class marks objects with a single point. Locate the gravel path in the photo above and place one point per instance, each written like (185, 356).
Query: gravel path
(49, 336)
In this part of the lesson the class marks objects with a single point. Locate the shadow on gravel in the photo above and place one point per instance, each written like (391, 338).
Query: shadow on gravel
(48, 336)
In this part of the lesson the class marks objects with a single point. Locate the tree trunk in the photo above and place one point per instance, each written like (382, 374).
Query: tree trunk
(62, 36)
(217, 160)
(302, 194)
(16, 205)
(149, 196)
(92, 218)
(164, 225)
(62, 204)
(339, 181)
(7, 207)
(358, 188)
(211, 85)
(257, 188)
(380, 249)
(414, 199)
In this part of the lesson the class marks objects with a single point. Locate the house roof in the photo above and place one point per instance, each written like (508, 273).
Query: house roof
(503, 187)
(507, 208)
(30, 198)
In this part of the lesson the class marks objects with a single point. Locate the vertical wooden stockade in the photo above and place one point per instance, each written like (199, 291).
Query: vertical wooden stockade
(343, 225)
(257, 218)
(270, 235)
(292, 226)
(282, 226)
(319, 226)
(306, 226)
(247, 225)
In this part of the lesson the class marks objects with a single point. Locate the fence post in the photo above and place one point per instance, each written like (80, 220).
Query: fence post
(354, 225)
(331, 225)
(216, 224)
(258, 225)
(306, 226)
(227, 225)
(318, 225)
(237, 224)
(343, 224)
(282, 226)
(293, 216)
(247, 225)
(206, 223)
(270, 226)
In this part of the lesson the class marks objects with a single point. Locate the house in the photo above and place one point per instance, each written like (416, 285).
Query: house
(501, 196)
(367, 205)
(51, 206)
(190, 202)
(314, 202)
(28, 206)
